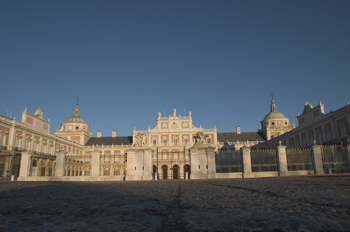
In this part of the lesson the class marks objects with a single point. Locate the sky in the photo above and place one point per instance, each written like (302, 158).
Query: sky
(129, 60)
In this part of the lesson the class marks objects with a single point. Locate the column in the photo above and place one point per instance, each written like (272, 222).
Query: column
(60, 163)
(282, 160)
(211, 163)
(147, 164)
(347, 154)
(247, 162)
(95, 162)
(25, 166)
(317, 159)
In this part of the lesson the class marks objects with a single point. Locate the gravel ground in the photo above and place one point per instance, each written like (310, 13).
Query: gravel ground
(268, 204)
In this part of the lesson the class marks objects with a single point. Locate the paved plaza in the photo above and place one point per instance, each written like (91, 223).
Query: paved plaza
(268, 204)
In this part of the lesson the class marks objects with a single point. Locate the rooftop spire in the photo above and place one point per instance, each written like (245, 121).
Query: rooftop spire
(76, 111)
(273, 106)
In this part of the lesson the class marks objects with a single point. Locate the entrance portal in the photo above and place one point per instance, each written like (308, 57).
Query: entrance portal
(175, 172)
(187, 169)
(165, 172)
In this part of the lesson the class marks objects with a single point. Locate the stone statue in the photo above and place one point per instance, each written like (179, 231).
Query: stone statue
(201, 138)
(38, 113)
(140, 140)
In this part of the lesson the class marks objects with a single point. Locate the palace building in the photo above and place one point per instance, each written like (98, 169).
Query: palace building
(174, 149)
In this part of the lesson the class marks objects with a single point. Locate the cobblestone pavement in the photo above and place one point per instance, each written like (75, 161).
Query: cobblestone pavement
(269, 204)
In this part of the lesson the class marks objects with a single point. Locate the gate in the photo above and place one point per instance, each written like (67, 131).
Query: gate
(229, 162)
(334, 159)
(172, 165)
(299, 159)
(264, 161)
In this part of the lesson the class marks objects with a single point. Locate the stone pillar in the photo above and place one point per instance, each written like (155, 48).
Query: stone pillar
(247, 162)
(347, 154)
(202, 162)
(211, 163)
(317, 159)
(60, 163)
(25, 166)
(282, 160)
(147, 164)
(139, 164)
(95, 163)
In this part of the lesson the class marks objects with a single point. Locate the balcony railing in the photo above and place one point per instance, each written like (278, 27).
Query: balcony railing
(2, 147)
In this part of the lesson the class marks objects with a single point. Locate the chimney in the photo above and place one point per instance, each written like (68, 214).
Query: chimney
(114, 133)
(99, 133)
(238, 129)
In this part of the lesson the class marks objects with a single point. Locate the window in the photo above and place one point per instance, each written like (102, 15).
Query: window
(342, 130)
(42, 171)
(86, 173)
(154, 142)
(77, 128)
(186, 141)
(106, 173)
(209, 140)
(68, 173)
(272, 123)
(50, 171)
(116, 172)
(175, 142)
(164, 142)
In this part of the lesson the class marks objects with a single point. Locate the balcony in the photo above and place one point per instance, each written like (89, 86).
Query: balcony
(2, 147)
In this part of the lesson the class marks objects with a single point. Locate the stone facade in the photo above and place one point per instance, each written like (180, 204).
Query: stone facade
(174, 149)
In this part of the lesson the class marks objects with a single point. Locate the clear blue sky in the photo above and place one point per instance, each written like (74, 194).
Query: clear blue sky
(128, 60)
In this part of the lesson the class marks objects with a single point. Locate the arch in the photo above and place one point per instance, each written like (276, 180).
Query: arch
(176, 173)
(187, 168)
(165, 172)
(154, 172)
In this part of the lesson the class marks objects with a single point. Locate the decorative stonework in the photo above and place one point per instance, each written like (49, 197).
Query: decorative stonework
(140, 140)
(201, 138)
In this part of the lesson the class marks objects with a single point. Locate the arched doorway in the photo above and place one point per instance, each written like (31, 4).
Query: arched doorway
(154, 172)
(175, 172)
(165, 172)
(187, 169)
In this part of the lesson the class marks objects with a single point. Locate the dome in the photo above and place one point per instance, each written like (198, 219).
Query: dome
(273, 112)
(76, 116)
(77, 119)
(272, 115)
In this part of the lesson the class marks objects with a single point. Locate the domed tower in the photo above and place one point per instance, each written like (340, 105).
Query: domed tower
(274, 123)
(75, 128)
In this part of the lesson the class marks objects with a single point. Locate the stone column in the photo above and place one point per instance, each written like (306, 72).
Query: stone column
(347, 154)
(139, 164)
(317, 159)
(211, 163)
(247, 162)
(147, 164)
(25, 166)
(282, 160)
(60, 163)
(95, 163)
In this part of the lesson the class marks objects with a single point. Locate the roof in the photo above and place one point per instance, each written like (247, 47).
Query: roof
(272, 115)
(125, 140)
(76, 116)
(77, 119)
(242, 137)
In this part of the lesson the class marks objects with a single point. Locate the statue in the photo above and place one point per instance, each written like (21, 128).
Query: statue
(38, 113)
(140, 140)
(201, 138)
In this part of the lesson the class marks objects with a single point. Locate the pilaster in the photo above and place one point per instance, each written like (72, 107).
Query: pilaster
(247, 162)
(202, 162)
(95, 162)
(139, 164)
(25, 166)
(317, 159)
(347, 154)
(60, 163)
(282, 160)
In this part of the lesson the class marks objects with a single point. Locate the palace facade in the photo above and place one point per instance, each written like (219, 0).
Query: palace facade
(174, 149)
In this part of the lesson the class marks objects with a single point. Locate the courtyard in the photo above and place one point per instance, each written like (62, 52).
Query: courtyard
(308, 203)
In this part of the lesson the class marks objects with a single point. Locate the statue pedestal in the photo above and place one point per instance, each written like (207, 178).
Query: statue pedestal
(202, 162)
(139, 164)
